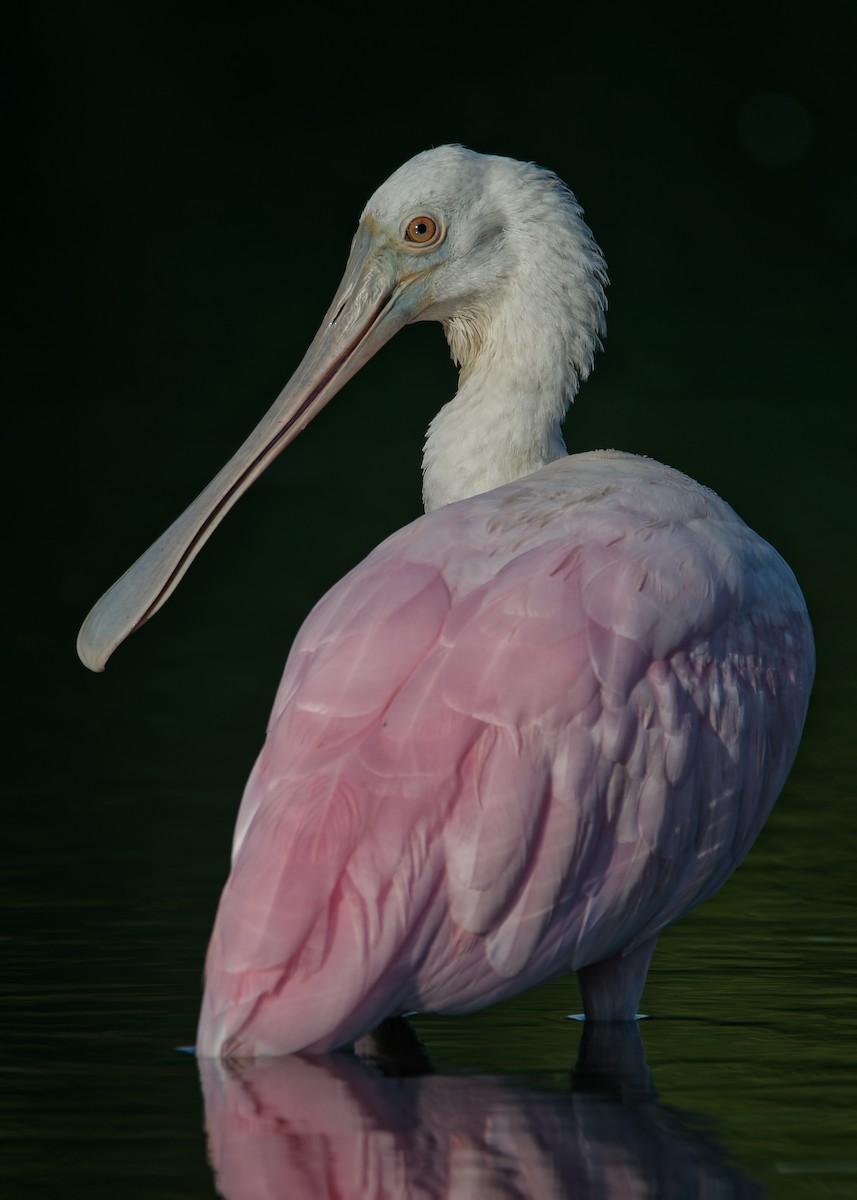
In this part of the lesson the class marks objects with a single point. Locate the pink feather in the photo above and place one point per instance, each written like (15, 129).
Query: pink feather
(502, 753)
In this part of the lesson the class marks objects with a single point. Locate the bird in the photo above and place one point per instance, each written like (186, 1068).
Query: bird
(533, 727)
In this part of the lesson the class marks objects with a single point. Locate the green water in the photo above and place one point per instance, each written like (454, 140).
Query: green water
(183, 206)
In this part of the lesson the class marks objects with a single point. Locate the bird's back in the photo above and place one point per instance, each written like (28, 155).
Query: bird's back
(527, 732)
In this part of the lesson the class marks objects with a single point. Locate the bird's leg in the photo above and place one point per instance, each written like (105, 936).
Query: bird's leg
(394, 1049)
(611, 1062)
(611, 989)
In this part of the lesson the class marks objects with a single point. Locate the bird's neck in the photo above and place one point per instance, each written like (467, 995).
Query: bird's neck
(506, 419)
(482, 439)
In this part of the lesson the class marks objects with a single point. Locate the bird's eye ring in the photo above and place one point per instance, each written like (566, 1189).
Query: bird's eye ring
(422, 230)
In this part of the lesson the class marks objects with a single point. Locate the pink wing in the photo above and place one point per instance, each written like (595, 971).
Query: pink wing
(528, 732)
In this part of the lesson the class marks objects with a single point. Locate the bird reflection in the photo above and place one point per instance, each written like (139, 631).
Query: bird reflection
(382, 1123)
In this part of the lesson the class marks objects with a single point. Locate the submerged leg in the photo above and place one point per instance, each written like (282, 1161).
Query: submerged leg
(611, 1062)
(611, 989)
(394, 1049)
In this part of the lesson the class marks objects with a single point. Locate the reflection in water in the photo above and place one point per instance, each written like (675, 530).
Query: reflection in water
(381, 1124)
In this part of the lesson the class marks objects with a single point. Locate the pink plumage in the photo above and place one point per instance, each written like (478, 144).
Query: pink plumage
(533, 727)
(504, 749)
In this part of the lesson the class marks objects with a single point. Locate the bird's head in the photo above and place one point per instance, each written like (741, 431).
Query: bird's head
(448, 237)
(454, 236)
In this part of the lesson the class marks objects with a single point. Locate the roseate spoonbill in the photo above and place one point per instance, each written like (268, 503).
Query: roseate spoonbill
(534, 726)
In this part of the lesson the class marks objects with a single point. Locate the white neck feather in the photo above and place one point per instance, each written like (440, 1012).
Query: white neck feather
(504, 422)
(523, 351)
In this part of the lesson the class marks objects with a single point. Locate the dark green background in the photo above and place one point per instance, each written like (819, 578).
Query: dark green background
(184, 184)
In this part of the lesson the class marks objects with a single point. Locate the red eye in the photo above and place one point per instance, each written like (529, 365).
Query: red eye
(421, 230)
